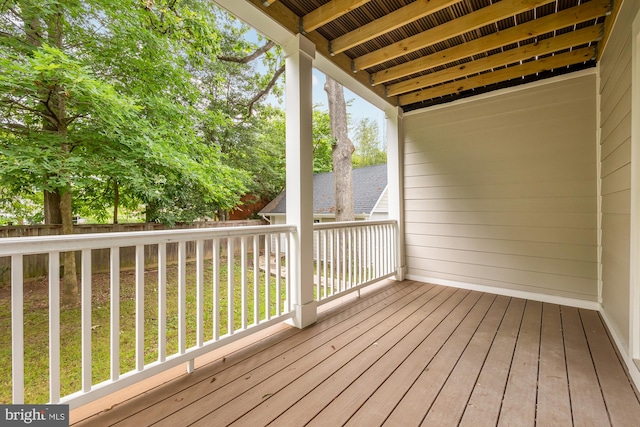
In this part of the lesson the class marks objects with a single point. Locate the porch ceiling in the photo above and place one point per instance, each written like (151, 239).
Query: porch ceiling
(425, 52)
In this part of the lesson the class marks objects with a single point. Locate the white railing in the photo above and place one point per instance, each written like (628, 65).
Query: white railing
(250, 301)
(235, 283)
(351, 255)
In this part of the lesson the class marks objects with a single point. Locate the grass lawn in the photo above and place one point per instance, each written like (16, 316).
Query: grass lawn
(36, 326)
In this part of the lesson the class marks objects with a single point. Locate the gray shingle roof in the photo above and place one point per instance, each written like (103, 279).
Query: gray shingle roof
(368, 185)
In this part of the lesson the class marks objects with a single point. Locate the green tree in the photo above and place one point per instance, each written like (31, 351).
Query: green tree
(90, 95)
(369, 149)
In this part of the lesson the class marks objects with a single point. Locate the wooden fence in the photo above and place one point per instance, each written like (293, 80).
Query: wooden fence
(36, 266)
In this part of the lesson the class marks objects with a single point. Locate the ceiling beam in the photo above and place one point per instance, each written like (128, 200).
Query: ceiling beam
(528, 68)
(511, 56)
(328, 12)
(555, 21)
(453, 28)
(394, 20)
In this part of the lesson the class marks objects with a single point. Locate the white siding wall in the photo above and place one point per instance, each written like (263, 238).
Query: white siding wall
(501, 190)
(615, 154)
(381, 210)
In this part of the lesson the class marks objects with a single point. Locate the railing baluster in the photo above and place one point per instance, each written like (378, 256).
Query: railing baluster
(243, 273)
(54, 327)
(230, 285)
(325, 263)
(182, 297)
(199, 293)
(278, 276)
(17, 329)
(256, 280)
(139, 307)
(287, 280)
(216, 289)
(317, 262)
(267, 276)
(85, 244)
(114, 324)
(349, 258)
(162, 302)
(86, 319)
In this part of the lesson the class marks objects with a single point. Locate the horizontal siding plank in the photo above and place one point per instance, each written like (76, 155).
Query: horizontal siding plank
(618, 136)
(533, 249)
(619, 158)
(538, 234)
(511, 219)
(617, 115)
(618, 180)
(587, 270)
(619, 84)
(543, 282)
(539, 204)
(539, 188)
(617, 203)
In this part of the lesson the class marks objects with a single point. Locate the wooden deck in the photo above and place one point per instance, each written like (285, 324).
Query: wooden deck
(406, 354)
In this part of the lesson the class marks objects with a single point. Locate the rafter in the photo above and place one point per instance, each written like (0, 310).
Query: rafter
(472, 21)
(556, 21)
(526, 69)
(328, 12)
(543, 47)
(396, 19)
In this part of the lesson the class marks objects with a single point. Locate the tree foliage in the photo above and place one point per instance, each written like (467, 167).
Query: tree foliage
(369, 150)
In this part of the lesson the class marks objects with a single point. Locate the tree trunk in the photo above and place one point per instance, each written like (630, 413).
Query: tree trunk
(52, 214)
(116, 201)
(70, 292)
(342, 150)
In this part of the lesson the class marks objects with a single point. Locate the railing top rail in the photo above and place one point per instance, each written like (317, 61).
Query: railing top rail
(351, 224)
(74, 242)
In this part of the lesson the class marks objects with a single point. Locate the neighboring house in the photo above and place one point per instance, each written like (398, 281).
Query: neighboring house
(369, 197)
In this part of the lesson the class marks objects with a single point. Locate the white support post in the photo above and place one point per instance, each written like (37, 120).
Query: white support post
(300, 53)
(395, 179)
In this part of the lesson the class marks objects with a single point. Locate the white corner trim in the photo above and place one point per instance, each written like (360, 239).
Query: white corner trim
(598, 165)
(500, 92)
(632, 368)
(634, 273)
(534, 296)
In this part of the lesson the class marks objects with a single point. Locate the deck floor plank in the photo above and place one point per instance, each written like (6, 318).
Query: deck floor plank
(334, 401)
(404, 354)
(587, 403)
(227, 404)
(519, 403)
(383, 355)
(226, 371)
(619, 396)
(415, 404)
(484, 404)
(449, 406)
(382, 402)
(554, 406)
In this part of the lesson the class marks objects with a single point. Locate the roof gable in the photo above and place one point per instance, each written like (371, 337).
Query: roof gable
(368, 185)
